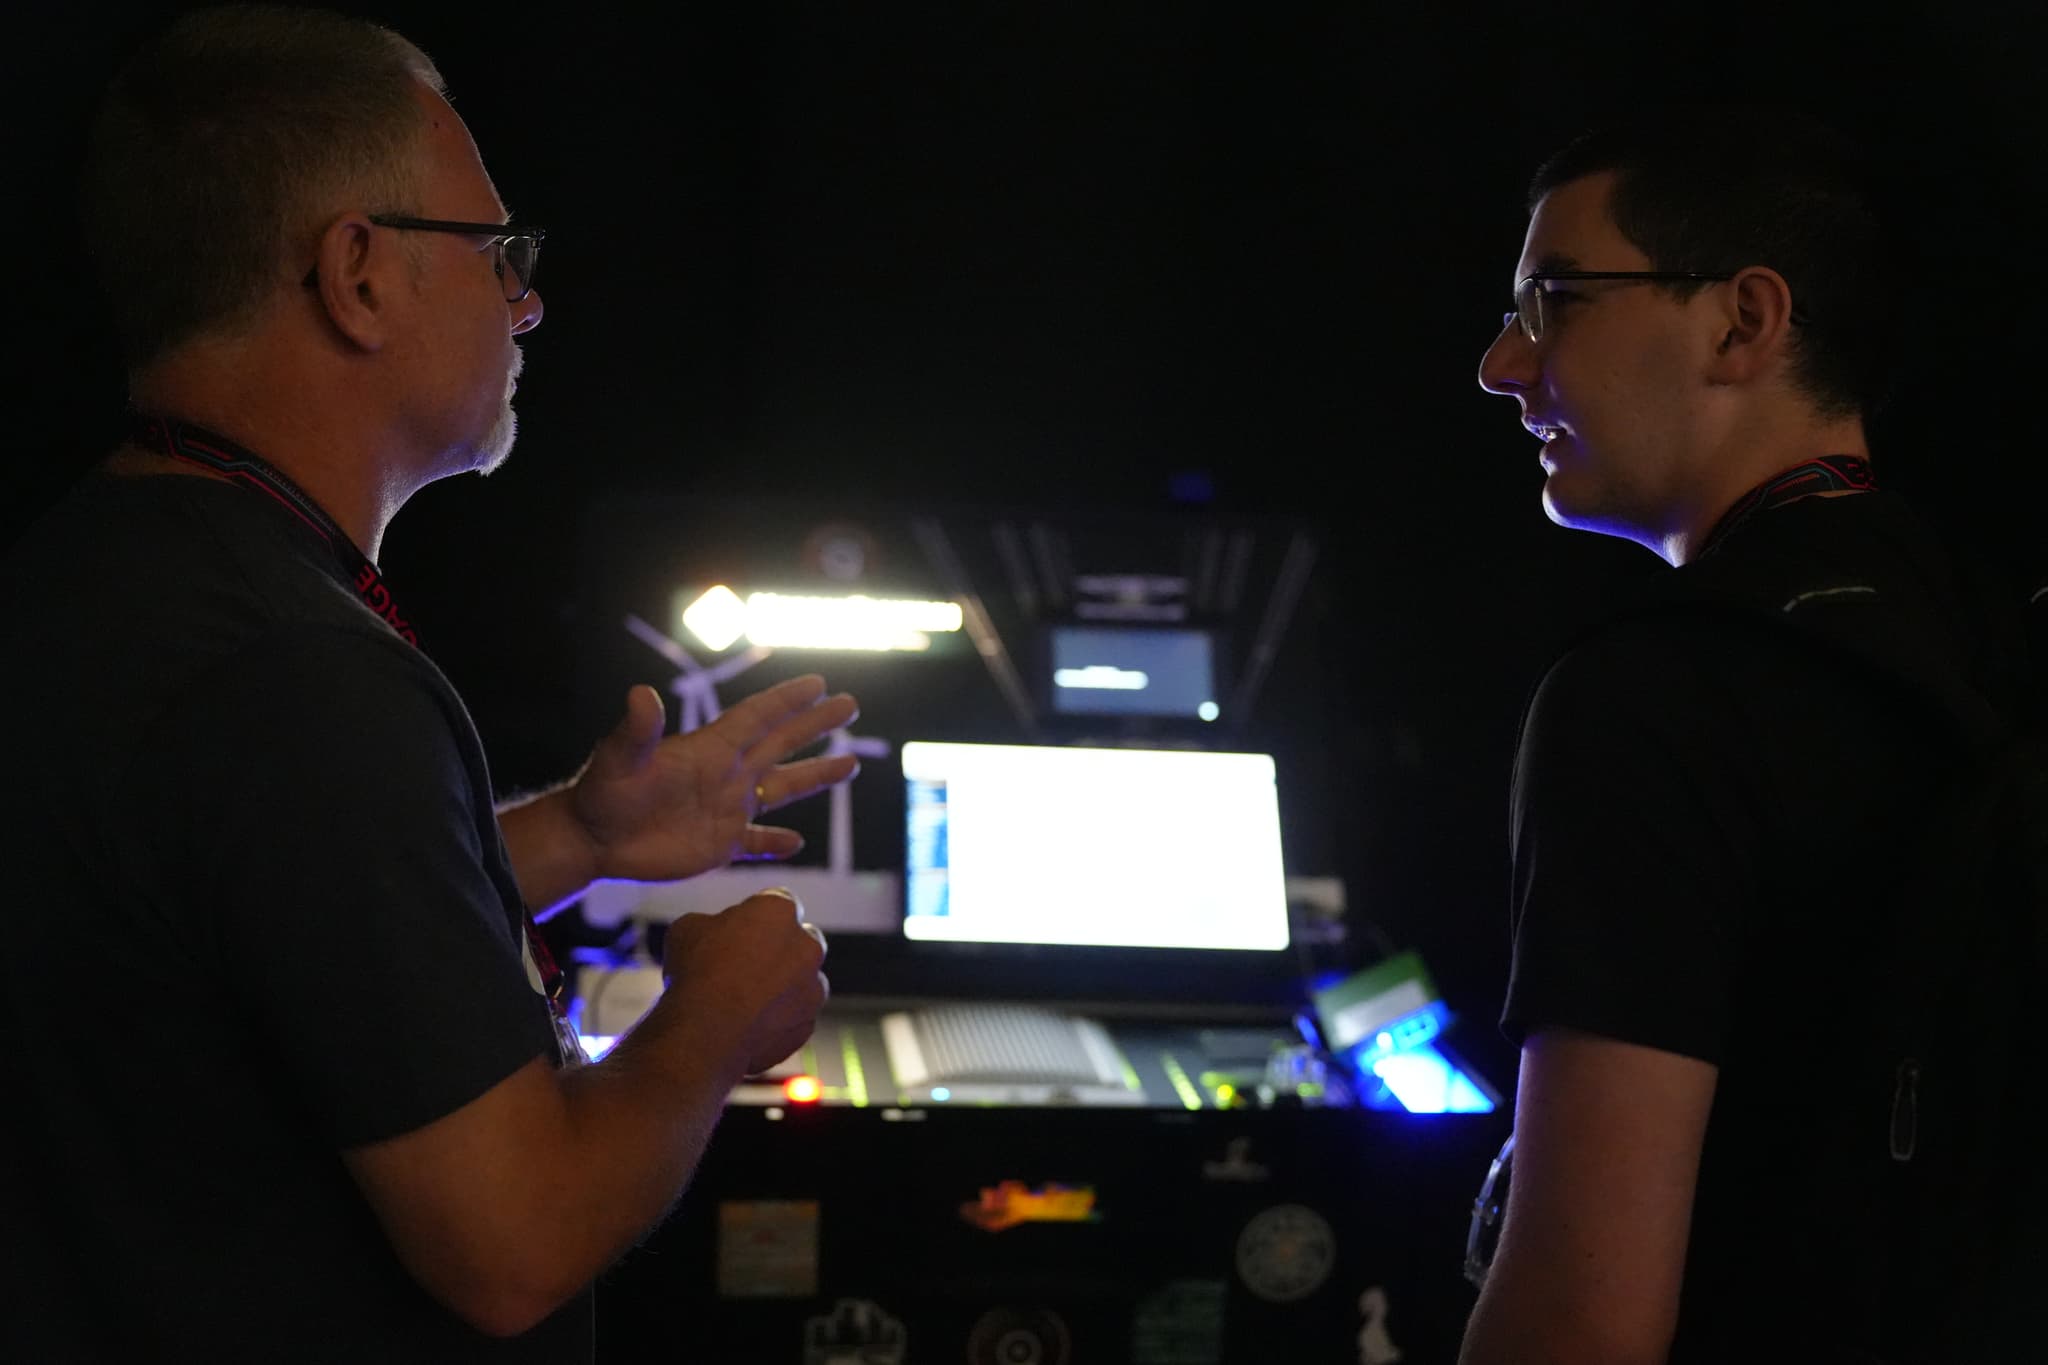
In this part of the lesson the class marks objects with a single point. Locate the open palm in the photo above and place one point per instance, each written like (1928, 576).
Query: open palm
(665, 809)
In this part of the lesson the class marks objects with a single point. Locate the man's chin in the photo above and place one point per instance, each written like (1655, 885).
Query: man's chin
(1577, 514)
(496, 446)
(1558, 504)
(1571, 509)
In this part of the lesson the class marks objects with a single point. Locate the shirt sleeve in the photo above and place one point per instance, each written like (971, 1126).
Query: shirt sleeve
(1635, 848)
(324, 812)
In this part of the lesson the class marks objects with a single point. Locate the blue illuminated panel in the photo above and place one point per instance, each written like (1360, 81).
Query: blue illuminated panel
(1426, 1082)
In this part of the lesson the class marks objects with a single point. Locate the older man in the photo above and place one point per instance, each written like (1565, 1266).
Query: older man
(291, 1078)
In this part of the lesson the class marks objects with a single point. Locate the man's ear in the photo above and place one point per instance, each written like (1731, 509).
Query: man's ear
(1755, 320)
(355, 279)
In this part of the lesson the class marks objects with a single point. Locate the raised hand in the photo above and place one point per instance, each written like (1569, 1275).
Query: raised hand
(659, 809)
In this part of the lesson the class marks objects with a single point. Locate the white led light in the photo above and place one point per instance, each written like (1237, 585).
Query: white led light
(782, 621)
(1208, 710)
(717, 618)
(1101, 678)
(859, 622)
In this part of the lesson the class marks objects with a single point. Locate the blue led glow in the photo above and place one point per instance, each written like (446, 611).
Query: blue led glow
(1426, 1082)
(1412, 1074)
(597, 1044)
(1305, 1026)
(1417, 1029)
(1410, 1031)
(940, 1093)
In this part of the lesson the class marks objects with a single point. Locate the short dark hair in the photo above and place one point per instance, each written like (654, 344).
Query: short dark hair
(220, 147)
(1720, 189)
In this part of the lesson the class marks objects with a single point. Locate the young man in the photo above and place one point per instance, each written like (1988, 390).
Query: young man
(291, 1079)
(1708, 813)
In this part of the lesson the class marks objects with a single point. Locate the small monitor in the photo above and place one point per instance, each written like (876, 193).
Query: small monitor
(1070, 846)
(1133, 671)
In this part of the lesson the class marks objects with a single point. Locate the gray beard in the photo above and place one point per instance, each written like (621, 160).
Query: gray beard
(496, 446)
(491, 452)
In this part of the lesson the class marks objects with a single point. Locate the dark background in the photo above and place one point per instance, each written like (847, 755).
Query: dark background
(1049, 256)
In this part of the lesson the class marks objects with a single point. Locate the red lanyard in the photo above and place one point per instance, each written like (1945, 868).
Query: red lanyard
(1828, 474)
(210, 450)
(196, 445)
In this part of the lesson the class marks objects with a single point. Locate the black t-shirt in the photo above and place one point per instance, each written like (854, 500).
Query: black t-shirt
(259, 912)
(1708, 816)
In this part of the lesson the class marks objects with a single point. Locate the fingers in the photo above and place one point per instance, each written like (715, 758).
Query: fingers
(646, 715)
(747, 956)
(770, 841)
(783, 893)
(745, 722)
(788, 784)
(631, 743)
(758, 925)
(804, 728)
(792, 782)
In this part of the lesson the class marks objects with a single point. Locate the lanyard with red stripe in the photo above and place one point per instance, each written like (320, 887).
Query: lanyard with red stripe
(210, 450)
(1828, 474)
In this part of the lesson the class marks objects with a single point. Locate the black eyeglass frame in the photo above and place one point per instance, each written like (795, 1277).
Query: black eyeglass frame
(501, 235)
(1529, 317)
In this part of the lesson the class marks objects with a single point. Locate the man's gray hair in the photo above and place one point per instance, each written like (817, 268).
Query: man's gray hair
(224, 146)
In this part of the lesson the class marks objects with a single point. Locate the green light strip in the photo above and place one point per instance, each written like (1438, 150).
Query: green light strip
(1131, 1081)
(856, 1079)
(1189, 1096)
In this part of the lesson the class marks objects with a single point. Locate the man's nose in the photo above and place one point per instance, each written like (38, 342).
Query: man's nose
(526, 312)
(1509, 365)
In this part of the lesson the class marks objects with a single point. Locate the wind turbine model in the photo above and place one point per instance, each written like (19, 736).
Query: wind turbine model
(695, 685)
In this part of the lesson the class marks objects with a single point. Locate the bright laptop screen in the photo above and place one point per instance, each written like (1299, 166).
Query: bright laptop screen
(1055, 845)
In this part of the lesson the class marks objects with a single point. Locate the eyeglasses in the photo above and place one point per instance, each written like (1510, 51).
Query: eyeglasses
(518, 249)
(1532, 312)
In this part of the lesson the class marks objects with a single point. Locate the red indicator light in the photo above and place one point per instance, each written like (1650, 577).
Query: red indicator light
(802, 1089)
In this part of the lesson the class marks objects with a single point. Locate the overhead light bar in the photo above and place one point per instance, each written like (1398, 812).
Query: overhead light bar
(784, 621)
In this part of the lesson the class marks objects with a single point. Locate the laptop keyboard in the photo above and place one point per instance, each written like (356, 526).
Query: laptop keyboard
(1013, 1044)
